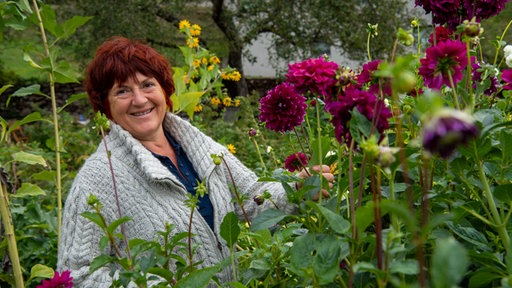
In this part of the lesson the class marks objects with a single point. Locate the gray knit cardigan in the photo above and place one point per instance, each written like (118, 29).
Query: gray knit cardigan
(151, 196)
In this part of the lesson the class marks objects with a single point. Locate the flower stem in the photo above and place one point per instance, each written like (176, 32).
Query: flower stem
(10, 236)
(500, 225)
(58, 177)
(454, 91)
(498, 47)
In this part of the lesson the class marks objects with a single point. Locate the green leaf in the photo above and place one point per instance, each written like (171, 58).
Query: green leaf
(113, 226)
(64, 74)
(336, 222)
(28, 189)
(5, 87)
(94, 217)
(32, 117)
(267, 218)
(164, 273)
(42, 271)
(198, 278)
(29, 158)
(186, 102)
(99, 262)
(73, 98)
(359, 126)
(406, 267)
(449, 263)
(229, 229)
(503, 192)
(325, 144)
(50, 20)
(69, 27)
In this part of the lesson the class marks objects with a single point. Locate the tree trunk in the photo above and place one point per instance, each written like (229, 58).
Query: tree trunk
(224, 21)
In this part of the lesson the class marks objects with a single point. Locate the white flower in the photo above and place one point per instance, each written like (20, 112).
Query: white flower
(269, 149)
(508, 60)
(507, 50)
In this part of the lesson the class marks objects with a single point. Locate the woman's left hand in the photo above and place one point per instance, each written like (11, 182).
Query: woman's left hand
(326, 173)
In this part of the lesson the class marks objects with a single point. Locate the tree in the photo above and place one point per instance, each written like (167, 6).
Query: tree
(296, 28)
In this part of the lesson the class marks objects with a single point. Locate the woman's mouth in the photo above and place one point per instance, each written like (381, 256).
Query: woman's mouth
(142, 113)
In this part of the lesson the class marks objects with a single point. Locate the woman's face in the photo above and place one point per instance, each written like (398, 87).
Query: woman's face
(138, 105)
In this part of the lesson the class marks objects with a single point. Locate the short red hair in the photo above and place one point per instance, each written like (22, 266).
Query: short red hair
(118, 59)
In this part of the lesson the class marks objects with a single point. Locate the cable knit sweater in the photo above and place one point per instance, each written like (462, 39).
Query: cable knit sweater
(151, 196)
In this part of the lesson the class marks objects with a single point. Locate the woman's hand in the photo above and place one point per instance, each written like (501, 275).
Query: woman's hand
(326, 173)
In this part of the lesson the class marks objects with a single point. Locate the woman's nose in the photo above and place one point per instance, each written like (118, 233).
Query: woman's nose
(138, 97)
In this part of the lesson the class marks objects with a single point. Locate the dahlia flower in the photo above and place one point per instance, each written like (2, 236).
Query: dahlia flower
(296, 162)
(440, 34)
(316, 75)
(447, 58)
(367, 77)
(282, 108)
(445, 132)
(365, 102)
(59, 280)
(506, 76)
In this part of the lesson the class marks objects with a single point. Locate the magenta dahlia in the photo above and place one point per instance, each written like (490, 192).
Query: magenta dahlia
(365, 102)
(367, 77)
(447, 58)
(440, 34)
(296, 162)
(283, 108)
(483, 9)
(506, 76)
(58, 281)
(316, 75)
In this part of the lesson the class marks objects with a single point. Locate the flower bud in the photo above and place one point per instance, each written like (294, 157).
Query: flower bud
(252, 132)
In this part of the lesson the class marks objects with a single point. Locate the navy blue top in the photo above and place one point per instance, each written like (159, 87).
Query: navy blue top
(188, 177)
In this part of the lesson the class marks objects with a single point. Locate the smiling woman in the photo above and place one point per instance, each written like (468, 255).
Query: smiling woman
(158, 161)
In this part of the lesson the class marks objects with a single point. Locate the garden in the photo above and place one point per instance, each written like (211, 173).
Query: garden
(420, 144)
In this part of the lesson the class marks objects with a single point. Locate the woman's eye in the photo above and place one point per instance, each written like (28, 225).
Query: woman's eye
(120, 92)
(148, 84)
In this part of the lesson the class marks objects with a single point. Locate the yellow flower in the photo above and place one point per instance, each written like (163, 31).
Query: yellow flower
(237, 103)
(193, 42)
(215, 101)
(334, 168)
(196, 63)
(204, 61)
(233, 76)
(214, 60)
(231, 148)
(184, 24)
(226, 101)
(195, 30)
(198, 108)
(210, 67)
(186, 80)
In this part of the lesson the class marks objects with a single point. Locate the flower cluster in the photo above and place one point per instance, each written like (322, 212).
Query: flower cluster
(453, 13)
(296, 162)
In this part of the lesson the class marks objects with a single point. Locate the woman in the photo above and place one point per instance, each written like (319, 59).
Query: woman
(157, 159)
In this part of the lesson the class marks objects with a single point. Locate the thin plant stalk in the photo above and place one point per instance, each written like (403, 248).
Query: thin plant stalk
(5, 214)
(237, 195)
(55, 120)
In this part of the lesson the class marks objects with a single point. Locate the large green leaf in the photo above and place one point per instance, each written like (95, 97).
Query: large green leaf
(42, 271)
(229, 229)
(28, 189)
(267, 219)
(29, 158)
(449, 263)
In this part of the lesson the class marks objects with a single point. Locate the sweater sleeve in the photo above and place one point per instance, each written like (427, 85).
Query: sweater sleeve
(79, 242)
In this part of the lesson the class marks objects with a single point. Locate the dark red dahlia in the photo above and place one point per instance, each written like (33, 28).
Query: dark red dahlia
(283, 108)
(296, 162)
(440, 34)
(365, 102)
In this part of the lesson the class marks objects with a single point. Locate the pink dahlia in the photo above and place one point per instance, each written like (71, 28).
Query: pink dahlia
(58, 281)
(316, 75)
(282, 108)
(506, 76)
(365, 102)
(447, 58)
(443, 11)
(296, 162)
